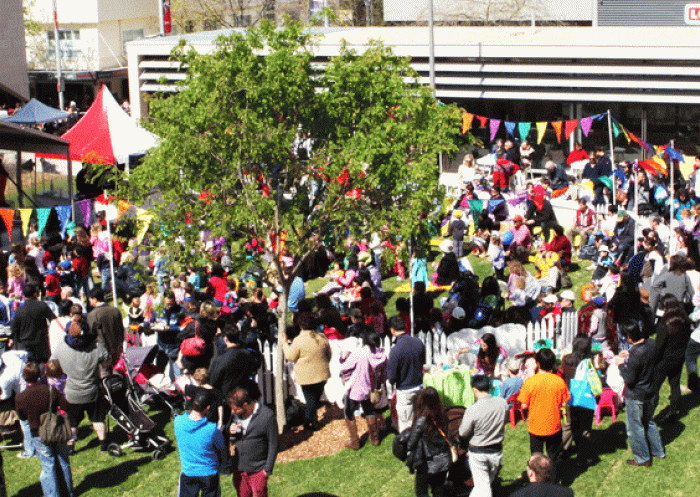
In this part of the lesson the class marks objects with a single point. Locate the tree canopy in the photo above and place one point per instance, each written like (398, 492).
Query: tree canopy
(226, 163)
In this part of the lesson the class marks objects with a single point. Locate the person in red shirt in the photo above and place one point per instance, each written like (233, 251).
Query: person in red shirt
(561, 245)
(81, 270)
(545, 394)
(218, 285)
(577, 154)
(585, 225)
(52, 283)
(503, 170)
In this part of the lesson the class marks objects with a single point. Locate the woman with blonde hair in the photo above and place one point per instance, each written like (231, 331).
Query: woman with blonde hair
(466, 172)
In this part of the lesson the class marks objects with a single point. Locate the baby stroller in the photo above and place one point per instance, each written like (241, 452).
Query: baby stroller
(137, 365)
(125, 410)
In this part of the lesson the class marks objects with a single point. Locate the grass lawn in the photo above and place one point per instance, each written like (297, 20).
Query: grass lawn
(373, 471)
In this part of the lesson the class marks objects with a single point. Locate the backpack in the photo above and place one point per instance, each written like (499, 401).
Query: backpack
(230, 305)
(194, 346)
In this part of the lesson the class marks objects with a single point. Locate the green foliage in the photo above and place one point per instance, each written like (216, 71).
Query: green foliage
(225, 163)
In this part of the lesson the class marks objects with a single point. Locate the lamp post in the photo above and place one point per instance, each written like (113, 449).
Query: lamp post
(431, 46)
(59, 73)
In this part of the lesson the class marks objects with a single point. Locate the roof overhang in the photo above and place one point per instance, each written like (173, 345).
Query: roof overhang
(13, 137)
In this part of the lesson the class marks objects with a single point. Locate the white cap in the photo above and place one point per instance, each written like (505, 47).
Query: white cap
(550, 299)
(568, 295)
(446, 246)
(603, 248)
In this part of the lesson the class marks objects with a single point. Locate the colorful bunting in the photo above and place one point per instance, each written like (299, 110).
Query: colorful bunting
(467, 119)
(586, 124)
(122, 207)
(557, 127)
(85, 207)
(659, 164)
(25, 215)
(475, 207)
(482, 121)
(524, 130)
(624, 131)
(8, 216)
(541, 128)
(616, 129)
(510, 128)
(144, 219)
(494, 124)
(64, 212)
(687, 166)
(569, 127)
(42, 216)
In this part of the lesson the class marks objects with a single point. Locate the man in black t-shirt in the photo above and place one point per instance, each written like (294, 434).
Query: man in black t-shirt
(30, 327)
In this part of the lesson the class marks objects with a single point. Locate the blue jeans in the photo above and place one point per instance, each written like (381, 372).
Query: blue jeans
(312, 396)
(82, 283)
(29, 448)
(54, 465)
(642, 432)
(106, 276)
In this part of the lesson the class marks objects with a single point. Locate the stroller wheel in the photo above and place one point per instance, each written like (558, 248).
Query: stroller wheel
(158, 455)
(115, 450)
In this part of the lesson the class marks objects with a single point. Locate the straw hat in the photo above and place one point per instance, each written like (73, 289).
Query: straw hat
(446, 246)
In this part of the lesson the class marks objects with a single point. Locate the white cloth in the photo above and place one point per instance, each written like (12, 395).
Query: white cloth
(11, 380)
(510, 336)
(57, 331)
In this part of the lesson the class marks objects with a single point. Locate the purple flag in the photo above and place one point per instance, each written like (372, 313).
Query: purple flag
(494, 124)
(586, 123)
(85, 209)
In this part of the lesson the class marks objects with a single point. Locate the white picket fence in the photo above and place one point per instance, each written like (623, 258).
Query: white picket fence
(562, 332)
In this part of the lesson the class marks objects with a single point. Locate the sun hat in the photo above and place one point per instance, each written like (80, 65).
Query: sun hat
(568, 295)
(446, 246)
(550, 299)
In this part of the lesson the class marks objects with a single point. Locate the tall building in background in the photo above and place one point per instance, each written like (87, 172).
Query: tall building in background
(92, 35)
(14, 85)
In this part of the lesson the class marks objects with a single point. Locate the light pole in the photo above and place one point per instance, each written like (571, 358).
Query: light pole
(59, 73)
(431, 46)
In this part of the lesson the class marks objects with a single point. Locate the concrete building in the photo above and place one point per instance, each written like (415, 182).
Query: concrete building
(92, 35)
(14, 85)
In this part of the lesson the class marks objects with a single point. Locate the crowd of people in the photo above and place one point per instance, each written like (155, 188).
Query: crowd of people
(635, 328)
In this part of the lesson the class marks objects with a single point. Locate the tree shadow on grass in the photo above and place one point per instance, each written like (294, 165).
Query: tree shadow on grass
(110, 477)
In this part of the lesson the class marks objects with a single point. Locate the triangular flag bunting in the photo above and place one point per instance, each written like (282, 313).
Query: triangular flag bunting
(687, 166)
(64, 212)
(524, 130)
(482, 121)
(495, 203)
(475, 207)
(660, 165)
(42, 216)
(467, 119)
(570, 127)
(8, 216)
(144, 219)
(624, 132)
(122, 207)
(494, 124)
(510, 128)
(85, 210)
(557, 127)
(25, 215)
(541, 128)
(598, 117)
(586, 124)
(616, 129)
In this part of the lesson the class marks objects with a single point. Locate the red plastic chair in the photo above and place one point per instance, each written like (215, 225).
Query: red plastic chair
(607, 401)
(515, 405)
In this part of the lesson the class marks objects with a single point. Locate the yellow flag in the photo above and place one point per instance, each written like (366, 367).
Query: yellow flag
(122, 207)
(687, 166)
(25, 215)
(144, 219)
(541, 127)
(624, 132)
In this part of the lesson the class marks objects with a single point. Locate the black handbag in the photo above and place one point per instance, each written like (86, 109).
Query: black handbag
(400, 445)
(54, 427)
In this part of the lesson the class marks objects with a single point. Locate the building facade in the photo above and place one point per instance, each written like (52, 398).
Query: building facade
(92, 38)
(14, 84)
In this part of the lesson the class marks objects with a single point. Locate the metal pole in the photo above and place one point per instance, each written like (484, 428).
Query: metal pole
(673, 191)
(59, 73)
(161, 22)
(325, 14)
(431, 45)
(612, 156)
(636, 204)
(70, 187)
(111, 263)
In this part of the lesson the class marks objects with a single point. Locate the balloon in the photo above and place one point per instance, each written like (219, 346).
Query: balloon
(507, 238)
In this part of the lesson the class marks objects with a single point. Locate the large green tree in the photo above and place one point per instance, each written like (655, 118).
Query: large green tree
(225, 160)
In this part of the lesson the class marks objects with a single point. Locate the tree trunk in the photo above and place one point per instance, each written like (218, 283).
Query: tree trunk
(279, 360)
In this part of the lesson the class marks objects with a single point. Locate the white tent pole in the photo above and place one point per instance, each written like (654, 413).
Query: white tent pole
(612, 157)
(111, 263)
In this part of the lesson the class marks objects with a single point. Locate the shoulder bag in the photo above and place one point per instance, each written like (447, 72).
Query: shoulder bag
(54, 427)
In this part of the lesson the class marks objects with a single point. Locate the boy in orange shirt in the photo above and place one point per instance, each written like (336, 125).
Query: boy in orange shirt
(545, 394)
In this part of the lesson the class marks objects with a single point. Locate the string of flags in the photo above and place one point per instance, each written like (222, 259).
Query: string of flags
(84, 210)
(656, 164)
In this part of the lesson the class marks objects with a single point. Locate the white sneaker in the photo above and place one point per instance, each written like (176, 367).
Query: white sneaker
(591, 267)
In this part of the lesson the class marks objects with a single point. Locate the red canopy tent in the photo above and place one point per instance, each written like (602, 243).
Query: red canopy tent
(106, 134)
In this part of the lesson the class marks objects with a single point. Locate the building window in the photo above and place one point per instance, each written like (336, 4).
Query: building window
(211, 24)
(242, 21)
(70, 43)
(189, 26)
(130, 35)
